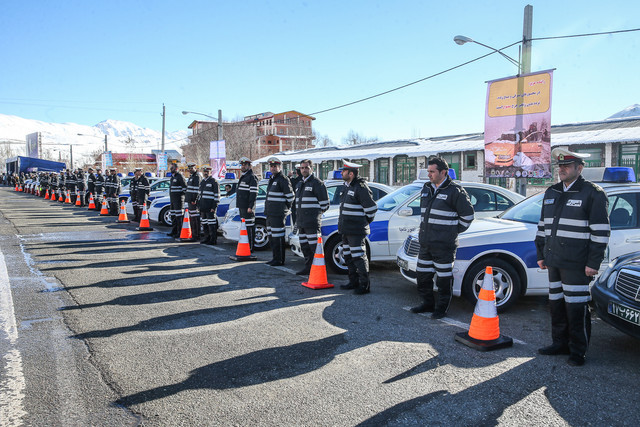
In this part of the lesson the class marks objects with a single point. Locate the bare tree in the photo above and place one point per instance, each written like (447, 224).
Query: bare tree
(354, 138)
(240, 140)
(322, 140)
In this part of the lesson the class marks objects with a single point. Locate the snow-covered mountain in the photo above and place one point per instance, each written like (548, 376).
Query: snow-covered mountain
(631, 111)
(122, 137)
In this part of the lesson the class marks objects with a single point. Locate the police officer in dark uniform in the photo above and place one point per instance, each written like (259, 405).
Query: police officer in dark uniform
(177, 189)
(91, 185)
(142, 190)
(311, 201)
(133, 191)
(113, 191)
(276, 208)
(246, 196)
(208, 198)
(99, 188)
(191, 198)
(446, 211)
(357, 210)
(571, 240)
(81, 186)
(62, 185)
(295, 178)
(70, 184)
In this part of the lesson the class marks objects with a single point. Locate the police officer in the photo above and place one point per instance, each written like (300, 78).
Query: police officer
(246, 196)
(295, 178)
(191, 198)
(357, 210)
(99, 188)
(142, 191)
(133, 191)
(113, 191)
(80, 184)
(62, 186)
(571, 240)
(276, 208)
(91, 184)
(311, 201)
(70, 184)
(177, 189)
(208, 198)
(446, 211)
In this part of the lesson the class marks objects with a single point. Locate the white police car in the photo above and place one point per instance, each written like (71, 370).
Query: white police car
(159, 210)
(398, 215)
(507, 244)
(232, 221)
(158, 188)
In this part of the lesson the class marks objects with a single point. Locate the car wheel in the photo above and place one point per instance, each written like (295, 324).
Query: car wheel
(165, 217)
(333, 255)
(261, 240)
(506, 282)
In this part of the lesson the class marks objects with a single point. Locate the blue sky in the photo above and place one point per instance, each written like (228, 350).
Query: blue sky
(88, 61)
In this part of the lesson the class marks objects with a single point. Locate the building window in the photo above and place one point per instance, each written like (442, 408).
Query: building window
(595, 160)
(404, 170)
(364, 170)
(381, 171)
(470, 161)
(325, 169)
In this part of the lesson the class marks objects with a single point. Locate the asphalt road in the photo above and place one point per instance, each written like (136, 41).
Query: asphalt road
(102, 325)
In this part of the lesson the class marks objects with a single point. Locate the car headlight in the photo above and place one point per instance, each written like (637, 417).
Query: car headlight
(607, 276)
(231, 213)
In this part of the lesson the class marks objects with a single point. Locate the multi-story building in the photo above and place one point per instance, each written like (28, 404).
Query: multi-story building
(278, 132)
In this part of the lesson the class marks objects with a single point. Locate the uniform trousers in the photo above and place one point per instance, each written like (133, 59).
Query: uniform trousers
(435, 261)
(308, 237)
(276, 231)
(250, 223)
(354, 252)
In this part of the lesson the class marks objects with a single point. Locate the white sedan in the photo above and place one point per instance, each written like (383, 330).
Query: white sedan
(398, 215)
(506, 243)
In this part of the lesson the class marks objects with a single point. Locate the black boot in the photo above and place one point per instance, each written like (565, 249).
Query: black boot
(213, 235)
(353, 281)
(427, 306)
(363, 288)
(444, 297)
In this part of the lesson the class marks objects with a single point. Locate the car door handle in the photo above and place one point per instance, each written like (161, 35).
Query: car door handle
(633, 240)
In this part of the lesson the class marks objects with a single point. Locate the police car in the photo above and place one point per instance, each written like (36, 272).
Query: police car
(159, 188)
(232, 222)
(159, 210)
(398, 215)
(507, 243)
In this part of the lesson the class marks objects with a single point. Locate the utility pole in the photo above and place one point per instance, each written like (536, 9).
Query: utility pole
(525, 68)
(105, 143)
(71, 154)
(220, 136)
(164, 113)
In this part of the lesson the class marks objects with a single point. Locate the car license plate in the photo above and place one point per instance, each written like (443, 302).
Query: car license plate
(629, 314)
(402, 263)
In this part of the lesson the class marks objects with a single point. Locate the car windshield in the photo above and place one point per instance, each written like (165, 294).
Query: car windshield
(527, 210)
(392, 200)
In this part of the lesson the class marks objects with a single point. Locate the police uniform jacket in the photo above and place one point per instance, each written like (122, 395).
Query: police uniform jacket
(247, 192)
(91, 183)
(114, 185)
(193, 187)
(209, 194)
(142, 190)
(573, 231)
(279, 196)
(80, 181)
(446, 212)
(99, 183)
(311, 201)
(177, 186)
(133, 189)
(70, 181)
(357, 208)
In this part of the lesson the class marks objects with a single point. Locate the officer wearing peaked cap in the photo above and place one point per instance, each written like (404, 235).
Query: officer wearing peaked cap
(80, 183)
(246, 196)
(99, 188)
(276, 208)
(91, 183)
(209, 196)
(177, 188)
(571, 240)
(142, 193)
(191, 199)
(357, 210)
(113, 191)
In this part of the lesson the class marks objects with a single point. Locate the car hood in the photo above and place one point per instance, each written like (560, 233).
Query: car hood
(492, 227)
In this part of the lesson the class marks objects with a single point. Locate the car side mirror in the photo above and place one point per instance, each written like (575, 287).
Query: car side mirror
(405, 212)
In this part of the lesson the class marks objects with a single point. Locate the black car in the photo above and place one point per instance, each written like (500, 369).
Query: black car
(616, 294)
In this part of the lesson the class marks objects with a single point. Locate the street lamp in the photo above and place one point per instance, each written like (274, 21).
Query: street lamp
(218, 120)
(105, 139)
(460, 40)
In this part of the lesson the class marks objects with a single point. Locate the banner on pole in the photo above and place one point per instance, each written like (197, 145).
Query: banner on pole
(217, 158)
(162, 161)
(517, 127)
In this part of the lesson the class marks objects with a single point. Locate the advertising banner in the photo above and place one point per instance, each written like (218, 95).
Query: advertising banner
(33, 145)
(108, 159)
(162, 161)
(218, 157)
(517, 127)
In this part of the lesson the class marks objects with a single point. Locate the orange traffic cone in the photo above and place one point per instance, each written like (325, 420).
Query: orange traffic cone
(78, 200)
(54, 197)
(92, 203)
(318, 273)
(185, 233)
(104, 209)
(17, 187)
(20, 188)
(484, 331)
(61, 196)
(144, 221)
(123, 213)
(243, 251)
(68, 199)
(46, 195)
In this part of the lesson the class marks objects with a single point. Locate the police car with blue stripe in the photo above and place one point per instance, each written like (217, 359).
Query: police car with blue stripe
(398, 215)
(506, 243)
